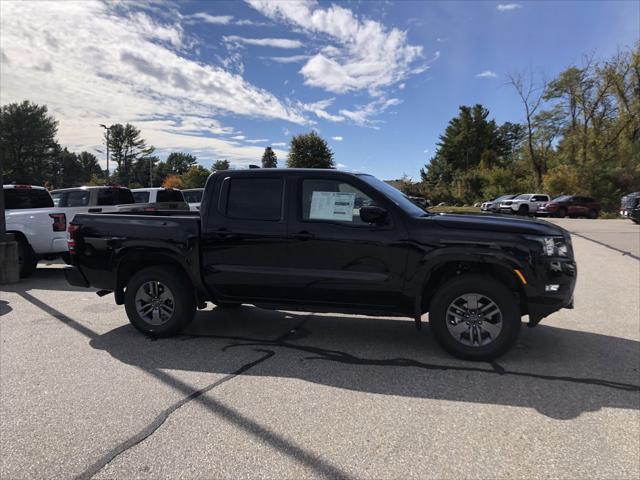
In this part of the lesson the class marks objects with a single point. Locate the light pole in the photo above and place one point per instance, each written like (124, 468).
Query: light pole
(108, 129)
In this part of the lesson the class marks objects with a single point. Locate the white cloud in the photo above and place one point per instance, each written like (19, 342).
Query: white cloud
(279, 144)
(341, 166)
(238, 137)
(362, 115)
(506, 7)
(258, 140)
(320, 110)
(290, 59)
(366, 55)
(110, 64)
(487, 74)
(337, 138)
(264, 42)
(208, 18)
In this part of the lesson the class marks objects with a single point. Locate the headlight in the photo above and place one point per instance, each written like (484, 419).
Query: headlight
(553, 246)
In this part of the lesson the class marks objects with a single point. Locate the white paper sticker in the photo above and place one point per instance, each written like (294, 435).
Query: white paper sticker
(332, 206)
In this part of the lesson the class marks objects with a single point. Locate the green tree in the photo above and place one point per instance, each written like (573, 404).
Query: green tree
(220, 165)
(309, 151)
(178, 162)
(126, 146)
(27, 142)
(195, 177)
(269, 158)
(90, 166)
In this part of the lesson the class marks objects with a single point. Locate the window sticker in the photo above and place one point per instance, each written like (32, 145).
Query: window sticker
(332, 206)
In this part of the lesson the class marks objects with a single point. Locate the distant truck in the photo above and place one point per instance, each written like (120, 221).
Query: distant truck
(160, 198)
(328, 241)
(39, 228)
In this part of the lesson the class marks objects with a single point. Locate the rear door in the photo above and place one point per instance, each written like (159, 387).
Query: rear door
(244, 239)
(334, 256)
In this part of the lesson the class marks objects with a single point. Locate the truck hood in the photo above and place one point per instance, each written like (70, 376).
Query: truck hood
(497, 223)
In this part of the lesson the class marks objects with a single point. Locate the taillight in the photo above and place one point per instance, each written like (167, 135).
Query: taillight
(71, 237)
(59, 222)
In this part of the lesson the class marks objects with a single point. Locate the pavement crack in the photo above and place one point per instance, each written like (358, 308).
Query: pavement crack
(624, 253)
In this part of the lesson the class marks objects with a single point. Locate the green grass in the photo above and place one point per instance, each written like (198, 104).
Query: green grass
(454, 209)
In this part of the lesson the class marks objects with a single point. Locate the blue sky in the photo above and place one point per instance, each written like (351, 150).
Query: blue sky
(378, 80)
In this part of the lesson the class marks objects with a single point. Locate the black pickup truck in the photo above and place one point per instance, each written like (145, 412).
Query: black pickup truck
(328, 241)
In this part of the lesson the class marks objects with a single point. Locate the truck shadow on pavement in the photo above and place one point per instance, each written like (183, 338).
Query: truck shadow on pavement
(559, 373)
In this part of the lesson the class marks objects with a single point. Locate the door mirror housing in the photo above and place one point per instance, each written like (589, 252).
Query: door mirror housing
(373, 214)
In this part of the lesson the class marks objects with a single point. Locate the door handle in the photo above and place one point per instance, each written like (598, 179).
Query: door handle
(303, 235)
(95, 210)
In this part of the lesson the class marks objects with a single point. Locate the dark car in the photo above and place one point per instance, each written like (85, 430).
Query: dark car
(328, 241)
(630, 206)
(494, 205)
(572, 206)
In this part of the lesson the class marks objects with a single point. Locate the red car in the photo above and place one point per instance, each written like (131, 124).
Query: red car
(572, 206)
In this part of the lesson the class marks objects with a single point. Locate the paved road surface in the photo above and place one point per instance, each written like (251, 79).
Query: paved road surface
(621, 235)
(251, 393)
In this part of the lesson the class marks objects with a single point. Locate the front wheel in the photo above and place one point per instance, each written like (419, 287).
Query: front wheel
(523, 210)
(159, 301)
(474, 317)
(593, 214)
(562, 212)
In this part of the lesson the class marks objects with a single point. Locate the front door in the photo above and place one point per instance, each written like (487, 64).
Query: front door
(335, 258)
(244, 244)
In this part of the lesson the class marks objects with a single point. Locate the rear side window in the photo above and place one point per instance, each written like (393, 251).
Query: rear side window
(169, 196)
(114, 196)
(255, 198)
(141, 197)
(540, 198)
(23, 198)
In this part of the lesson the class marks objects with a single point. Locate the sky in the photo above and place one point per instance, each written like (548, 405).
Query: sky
(223, 80)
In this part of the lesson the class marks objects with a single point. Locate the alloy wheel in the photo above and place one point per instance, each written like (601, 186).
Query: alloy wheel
(474, 320)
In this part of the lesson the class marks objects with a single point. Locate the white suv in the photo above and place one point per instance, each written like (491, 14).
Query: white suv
(525, 204)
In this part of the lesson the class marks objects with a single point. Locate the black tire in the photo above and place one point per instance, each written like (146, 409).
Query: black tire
(487, 287)
(562, 212)
(182, 300)
(27, 259)
(523, 210)
(593, 214)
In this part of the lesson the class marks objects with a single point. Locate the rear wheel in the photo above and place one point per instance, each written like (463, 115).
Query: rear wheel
(562, 212)
(159, 301)
(593, 214)
(474, 317)
(27, 259)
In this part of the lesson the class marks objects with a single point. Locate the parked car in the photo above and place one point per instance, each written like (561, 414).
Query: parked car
(524, 204)
(494, 205)
(92, 199)
(630, 206)
(193, 196)
(161, 198)
(39, 228)
(293, 239)
(571, 205)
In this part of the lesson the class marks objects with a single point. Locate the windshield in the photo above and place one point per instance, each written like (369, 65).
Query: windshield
(562, 198)
(393, 194)
(503, 197)
(523, 197)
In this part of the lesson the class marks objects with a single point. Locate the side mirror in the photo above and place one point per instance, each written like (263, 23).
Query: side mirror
(373, 214)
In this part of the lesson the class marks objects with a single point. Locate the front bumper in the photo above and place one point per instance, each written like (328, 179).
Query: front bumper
(561, 273)
(75, 277)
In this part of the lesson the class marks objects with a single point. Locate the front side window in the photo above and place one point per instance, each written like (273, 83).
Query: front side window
(58, 199)
(333, 200)
(78, 198)
(255, 199)
(141, 197)
(523, 197)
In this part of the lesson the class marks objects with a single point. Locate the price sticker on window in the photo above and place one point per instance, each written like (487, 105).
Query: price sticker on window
(332, 206)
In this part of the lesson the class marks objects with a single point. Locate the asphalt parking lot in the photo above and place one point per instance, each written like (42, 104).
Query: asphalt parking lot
(248, 393)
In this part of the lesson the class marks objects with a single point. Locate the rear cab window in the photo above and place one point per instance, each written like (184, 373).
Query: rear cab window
(141, 197)
(114, 196)
(169, 196)
(24, 198)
